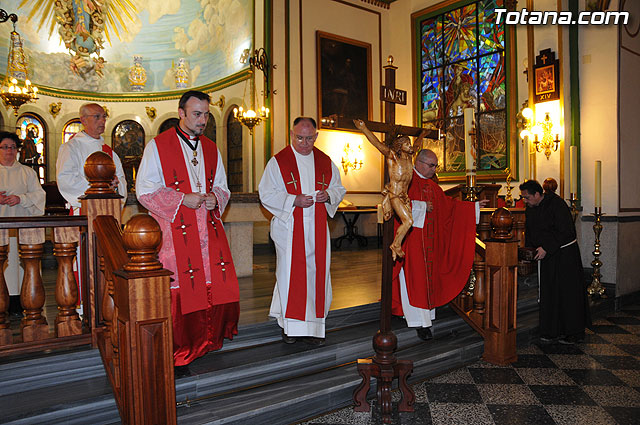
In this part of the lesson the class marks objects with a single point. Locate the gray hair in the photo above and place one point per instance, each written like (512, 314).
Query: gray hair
(84, 109)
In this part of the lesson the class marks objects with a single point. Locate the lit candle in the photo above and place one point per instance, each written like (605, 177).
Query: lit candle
(573, 169)
(134, 174)
(598, 184)
(469, 151)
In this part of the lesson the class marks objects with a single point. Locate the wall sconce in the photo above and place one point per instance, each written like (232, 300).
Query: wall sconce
(546, 130)
(250, 118)
(352, 158)
(542, 133)
(525, 121)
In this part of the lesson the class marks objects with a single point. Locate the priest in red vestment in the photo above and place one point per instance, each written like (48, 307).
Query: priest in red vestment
(439, 249)
(182, 182)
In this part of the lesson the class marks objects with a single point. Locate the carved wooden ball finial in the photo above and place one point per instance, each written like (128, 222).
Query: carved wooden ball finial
(142, 238)
(99, 169)
(501, 223)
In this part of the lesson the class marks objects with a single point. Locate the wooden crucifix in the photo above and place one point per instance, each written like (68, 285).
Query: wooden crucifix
(385, 366)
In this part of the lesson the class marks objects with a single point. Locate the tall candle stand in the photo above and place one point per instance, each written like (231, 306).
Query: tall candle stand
(596, 287)
(573, 200)
(471, 190)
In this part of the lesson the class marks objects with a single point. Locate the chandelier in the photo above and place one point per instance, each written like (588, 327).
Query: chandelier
(250, 118)
(14, 94)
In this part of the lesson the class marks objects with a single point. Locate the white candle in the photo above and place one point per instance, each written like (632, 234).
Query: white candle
(525, 157)
(573, 169)
(469, 148)
(598, 184)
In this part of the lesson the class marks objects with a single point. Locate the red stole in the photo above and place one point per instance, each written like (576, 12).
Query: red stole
(186, 239)
(438, 257)
(297, 297)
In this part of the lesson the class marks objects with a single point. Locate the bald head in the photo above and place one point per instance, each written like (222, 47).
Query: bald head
(93, 118)
(426, 163)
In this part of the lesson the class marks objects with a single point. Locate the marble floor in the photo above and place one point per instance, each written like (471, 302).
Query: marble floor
(594, 382)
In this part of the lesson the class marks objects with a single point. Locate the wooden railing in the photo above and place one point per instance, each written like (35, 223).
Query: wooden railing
(126, 298)
(489, 303)
(69, 330)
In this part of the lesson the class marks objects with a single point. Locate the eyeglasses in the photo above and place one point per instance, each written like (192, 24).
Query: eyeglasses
(9, 148)
(97, 116)
(430, 164)
(307, 139)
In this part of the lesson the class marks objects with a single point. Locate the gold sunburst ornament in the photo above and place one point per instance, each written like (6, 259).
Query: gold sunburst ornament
(83, 26)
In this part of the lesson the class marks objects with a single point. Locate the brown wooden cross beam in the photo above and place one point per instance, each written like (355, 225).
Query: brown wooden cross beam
(385, 366)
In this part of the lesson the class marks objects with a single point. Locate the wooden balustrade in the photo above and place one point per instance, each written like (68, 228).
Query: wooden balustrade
(493, 310)
(35, 333)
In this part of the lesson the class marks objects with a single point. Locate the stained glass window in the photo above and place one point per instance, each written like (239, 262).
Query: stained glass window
(70, 129)
(34, 146)
(462, 64)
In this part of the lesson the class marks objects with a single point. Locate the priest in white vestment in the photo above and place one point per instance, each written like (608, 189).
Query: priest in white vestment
(300, 187)
(72, 183)
(20, 196)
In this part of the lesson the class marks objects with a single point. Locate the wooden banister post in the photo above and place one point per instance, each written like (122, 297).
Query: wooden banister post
(67, 321)
(502, 291)
(143, 305)
(34, 325)
(99, 199)
(5, 331)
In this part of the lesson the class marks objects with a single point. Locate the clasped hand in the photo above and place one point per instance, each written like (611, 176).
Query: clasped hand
(305, 201)
(195, 200)
(11, 200)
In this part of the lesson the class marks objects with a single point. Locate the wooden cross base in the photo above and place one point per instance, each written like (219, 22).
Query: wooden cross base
(385, 367)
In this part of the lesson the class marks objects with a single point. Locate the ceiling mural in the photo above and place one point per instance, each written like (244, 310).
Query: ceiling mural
(122, 46)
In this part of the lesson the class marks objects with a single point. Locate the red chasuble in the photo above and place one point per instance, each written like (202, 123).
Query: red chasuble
(297, 297)
(186, 241)
(438, 257)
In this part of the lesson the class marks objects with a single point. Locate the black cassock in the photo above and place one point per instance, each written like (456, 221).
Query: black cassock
(564, 306)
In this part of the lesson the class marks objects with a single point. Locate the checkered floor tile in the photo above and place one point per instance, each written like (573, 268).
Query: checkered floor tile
(594, 382)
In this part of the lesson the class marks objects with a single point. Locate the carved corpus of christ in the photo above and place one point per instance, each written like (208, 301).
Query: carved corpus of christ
(399, 157)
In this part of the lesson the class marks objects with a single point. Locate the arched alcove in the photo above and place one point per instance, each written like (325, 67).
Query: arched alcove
(234, 154)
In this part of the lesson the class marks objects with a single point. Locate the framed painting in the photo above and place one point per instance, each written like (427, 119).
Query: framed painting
(344, 77)
(546, 71)
(127, 140)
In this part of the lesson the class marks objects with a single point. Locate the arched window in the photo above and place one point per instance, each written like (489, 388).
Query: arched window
(169, 123)
(34, 146)
(234, 154)
(127, 141)
(72, 127)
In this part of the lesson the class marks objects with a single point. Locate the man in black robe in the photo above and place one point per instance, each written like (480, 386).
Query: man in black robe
(564, 307)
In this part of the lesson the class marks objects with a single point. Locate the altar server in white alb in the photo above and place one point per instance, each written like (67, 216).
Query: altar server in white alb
(72, 183)
(20, 196)
(300, 187)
